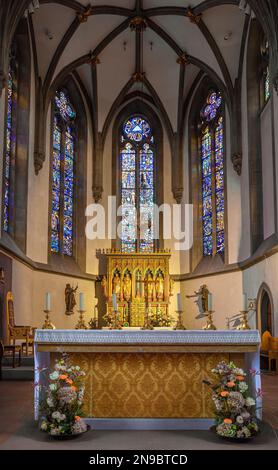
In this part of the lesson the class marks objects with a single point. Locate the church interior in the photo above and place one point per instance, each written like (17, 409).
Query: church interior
(138, 104)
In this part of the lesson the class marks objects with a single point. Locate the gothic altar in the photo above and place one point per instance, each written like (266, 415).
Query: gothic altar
(147, 379)
(141, 281)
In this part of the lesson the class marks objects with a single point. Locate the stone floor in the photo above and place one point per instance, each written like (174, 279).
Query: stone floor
(18, 431)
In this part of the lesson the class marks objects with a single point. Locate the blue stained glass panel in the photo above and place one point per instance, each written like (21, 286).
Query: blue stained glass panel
(128, 179)
(210, 110)
(64, 106)
(206, 146)
(219, 187)
(10, 144)
(137, 129)
(68, 193)
(56, 185)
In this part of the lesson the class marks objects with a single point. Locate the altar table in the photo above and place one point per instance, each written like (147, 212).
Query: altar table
(148, 379)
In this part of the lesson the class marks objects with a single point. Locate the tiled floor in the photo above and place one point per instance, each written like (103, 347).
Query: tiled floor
(18, 431)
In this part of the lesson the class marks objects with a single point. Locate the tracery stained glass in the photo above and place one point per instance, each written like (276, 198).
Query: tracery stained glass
(137, 129)
(207, 192)
(137, 166)
(267, 84)
(219, 186)
(63, 105)
(10, 146)
(212, 106)
(63, 177)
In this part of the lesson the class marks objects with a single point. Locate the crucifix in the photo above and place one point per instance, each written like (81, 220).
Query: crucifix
(147, 282)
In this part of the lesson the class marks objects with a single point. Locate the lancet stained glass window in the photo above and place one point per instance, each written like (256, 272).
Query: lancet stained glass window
(137, 185)
(10, 145)
(63, 161)
(212, 175)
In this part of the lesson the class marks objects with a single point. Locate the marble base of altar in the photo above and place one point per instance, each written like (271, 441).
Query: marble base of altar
(148, 379)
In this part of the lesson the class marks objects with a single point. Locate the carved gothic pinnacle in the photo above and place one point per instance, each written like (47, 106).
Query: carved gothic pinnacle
(192, 17)
(83, 16)
(138, 24)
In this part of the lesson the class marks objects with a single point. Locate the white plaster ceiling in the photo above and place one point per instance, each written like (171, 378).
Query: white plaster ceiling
(117, 65)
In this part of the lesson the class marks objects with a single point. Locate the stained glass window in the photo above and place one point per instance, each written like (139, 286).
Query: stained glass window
(63, 161)
(137, 186)
(10, 144)
(212, 173)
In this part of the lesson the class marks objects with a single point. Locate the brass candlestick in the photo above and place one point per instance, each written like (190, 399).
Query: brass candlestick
(244, 321)
(116, 323)
(147, 324)
(47, 323)
(179, 325)
(210, 326)
(81, 325)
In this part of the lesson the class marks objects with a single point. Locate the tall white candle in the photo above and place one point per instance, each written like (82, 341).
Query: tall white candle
(210, 304)
(244, 303)
(81, 302)
(114, 301)
(179, 306)
(47, 306)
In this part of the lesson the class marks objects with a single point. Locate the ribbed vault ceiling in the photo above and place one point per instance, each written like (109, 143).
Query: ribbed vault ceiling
(62, 40)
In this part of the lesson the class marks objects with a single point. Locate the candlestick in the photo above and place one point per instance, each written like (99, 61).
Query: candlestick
(179, 325)
(81, 325)
(179, 305)
(210, 302)
(81, 302)
(47, 306)
(210, 326)
(244, 322)
(47, 322)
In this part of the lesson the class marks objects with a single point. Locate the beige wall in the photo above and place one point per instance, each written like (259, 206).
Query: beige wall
(227, 296)
(29, 288)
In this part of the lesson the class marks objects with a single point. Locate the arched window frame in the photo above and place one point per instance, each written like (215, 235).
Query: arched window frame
(76, 262)
(140, 108)
(64, 140)
(139, 166)
(212, 181)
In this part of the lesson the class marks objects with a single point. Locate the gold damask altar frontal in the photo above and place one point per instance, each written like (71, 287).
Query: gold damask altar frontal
(151, 385)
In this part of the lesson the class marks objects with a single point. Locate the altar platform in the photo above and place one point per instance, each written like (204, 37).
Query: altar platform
(148, 379)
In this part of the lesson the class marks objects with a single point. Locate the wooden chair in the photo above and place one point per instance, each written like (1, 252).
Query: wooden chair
(15, 332)
(273, 353)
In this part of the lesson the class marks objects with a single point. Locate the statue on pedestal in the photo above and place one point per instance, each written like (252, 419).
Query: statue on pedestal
(159, 287)
(70, 299)
(127, 287)
(202, 298)
(116, 284)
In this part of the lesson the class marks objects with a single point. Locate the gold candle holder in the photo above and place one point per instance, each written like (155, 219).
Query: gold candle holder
(81, 325)
(210, 326)
(147, 325)
(179, 325)
(244, 325)
(116, 323)
(47, 323)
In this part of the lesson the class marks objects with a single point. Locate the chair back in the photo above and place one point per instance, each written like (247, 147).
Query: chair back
(273, 344)
(266, 341)
(10, 315)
